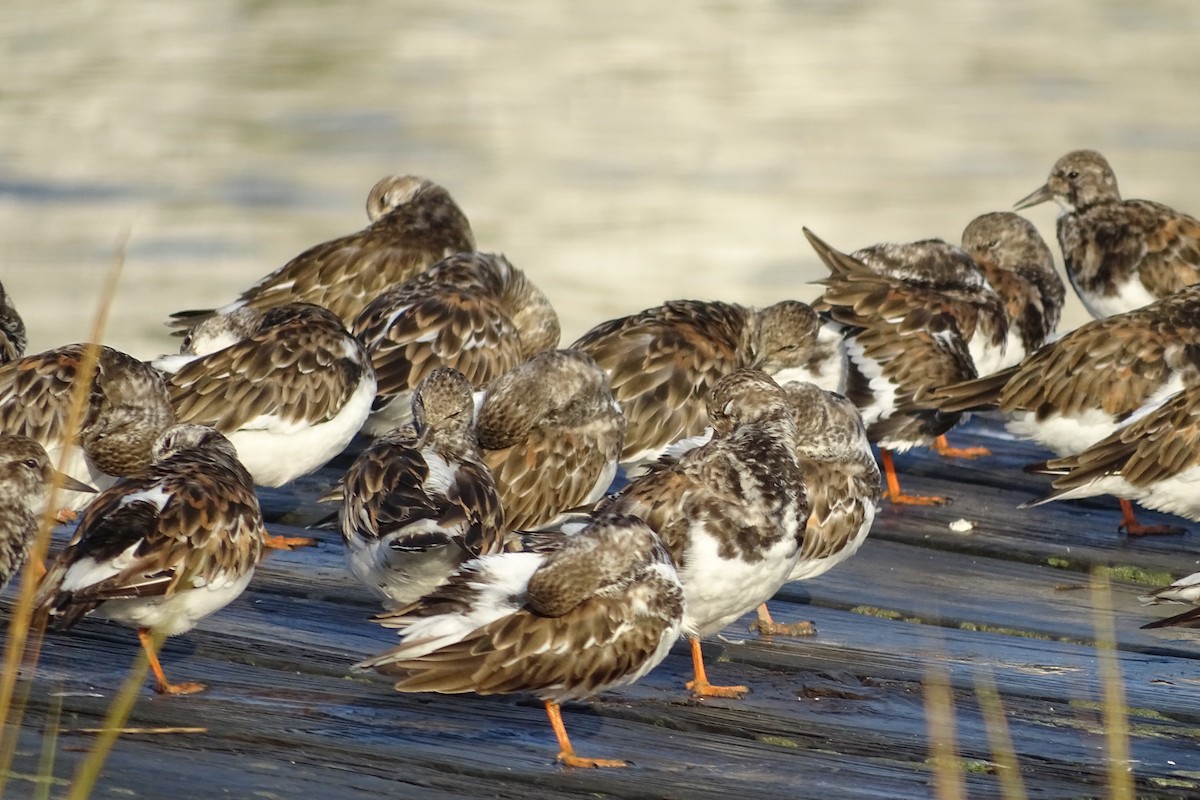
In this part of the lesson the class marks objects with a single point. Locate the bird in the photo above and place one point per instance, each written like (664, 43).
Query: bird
(1019, 266)
(12, 329)
(1153, 459)
(842, 483)
(125, 407)
(731, 512)
(551, 433)
(1082, 387)
(1185, 590)
(663, 361)
(1119, 254)
(595, 610)
(290, 396)
(420, 501)
(164, 548)
(414, 223)
(475, 312)
(26, 476)
(917, 315)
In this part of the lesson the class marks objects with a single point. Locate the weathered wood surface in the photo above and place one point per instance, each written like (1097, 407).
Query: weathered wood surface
(840, 715)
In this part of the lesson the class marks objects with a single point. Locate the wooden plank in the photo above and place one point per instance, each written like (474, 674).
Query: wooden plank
(837, 715)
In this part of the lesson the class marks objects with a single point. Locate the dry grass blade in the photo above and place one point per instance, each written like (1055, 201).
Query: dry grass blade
(1008, 770)
(22, 614)
(1116, 719)
(118, 712)
(941, 731)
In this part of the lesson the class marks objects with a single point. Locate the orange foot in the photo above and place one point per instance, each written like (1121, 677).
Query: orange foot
(572, 760)
(1129, 524)
(706, 689)
(65, 515)
(943, 448)
(893, 492)
(288, 542)
(187, 687)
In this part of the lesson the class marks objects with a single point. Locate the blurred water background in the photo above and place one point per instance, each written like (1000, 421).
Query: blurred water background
(622, 153)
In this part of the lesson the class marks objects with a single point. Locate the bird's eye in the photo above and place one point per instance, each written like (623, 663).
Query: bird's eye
(1073, 174)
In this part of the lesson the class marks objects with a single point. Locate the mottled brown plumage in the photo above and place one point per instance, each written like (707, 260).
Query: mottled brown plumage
(12, 329)
(290, 396)
(420, 500)
(596, 612)
(731, 512)
(414, 223)
(164, 548)
(1155, 460)
(551, 434)
(663, 361)
(472, 311)
(126, 408)
(1119, 254)
(1080, 388)
(1018, 265)
(25, 477)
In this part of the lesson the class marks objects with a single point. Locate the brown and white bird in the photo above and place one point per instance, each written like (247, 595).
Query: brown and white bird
(163, 549)
(1119, 254)
(25, 478)
(414, 223)
(917, 315)
(126, 407)
(12, 329)
(290, 396)
(1186, 590)
(551, 433)
(730, 512)
(1154, 459)
(1019, 267)
(475, 312)
(597, 610)
(1082, 387)
(420, 501)
(842, 483)
(662, 362)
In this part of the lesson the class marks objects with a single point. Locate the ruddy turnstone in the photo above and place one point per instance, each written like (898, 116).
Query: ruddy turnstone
(12, 330)
(663, 361)
(420, 501)
(918, 315)
(290, 396)
(163, 549)
(731, 512)
(1018, 265)
(551, 433)
(125, 409)
(1082, 387)
(475, 312)
(1119, 254)
(598, 612)
(25, 478)
(414, 223)
(1184, 590)
(1153, 459)
(842, 482)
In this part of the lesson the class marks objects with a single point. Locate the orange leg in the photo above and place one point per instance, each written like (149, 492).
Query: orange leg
(700, 686)
(163, 687)
(566, 753)
(1131, 526)
(944, 449)
(766, 626)
(287, 542)
(65, 515)
(893, 483)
